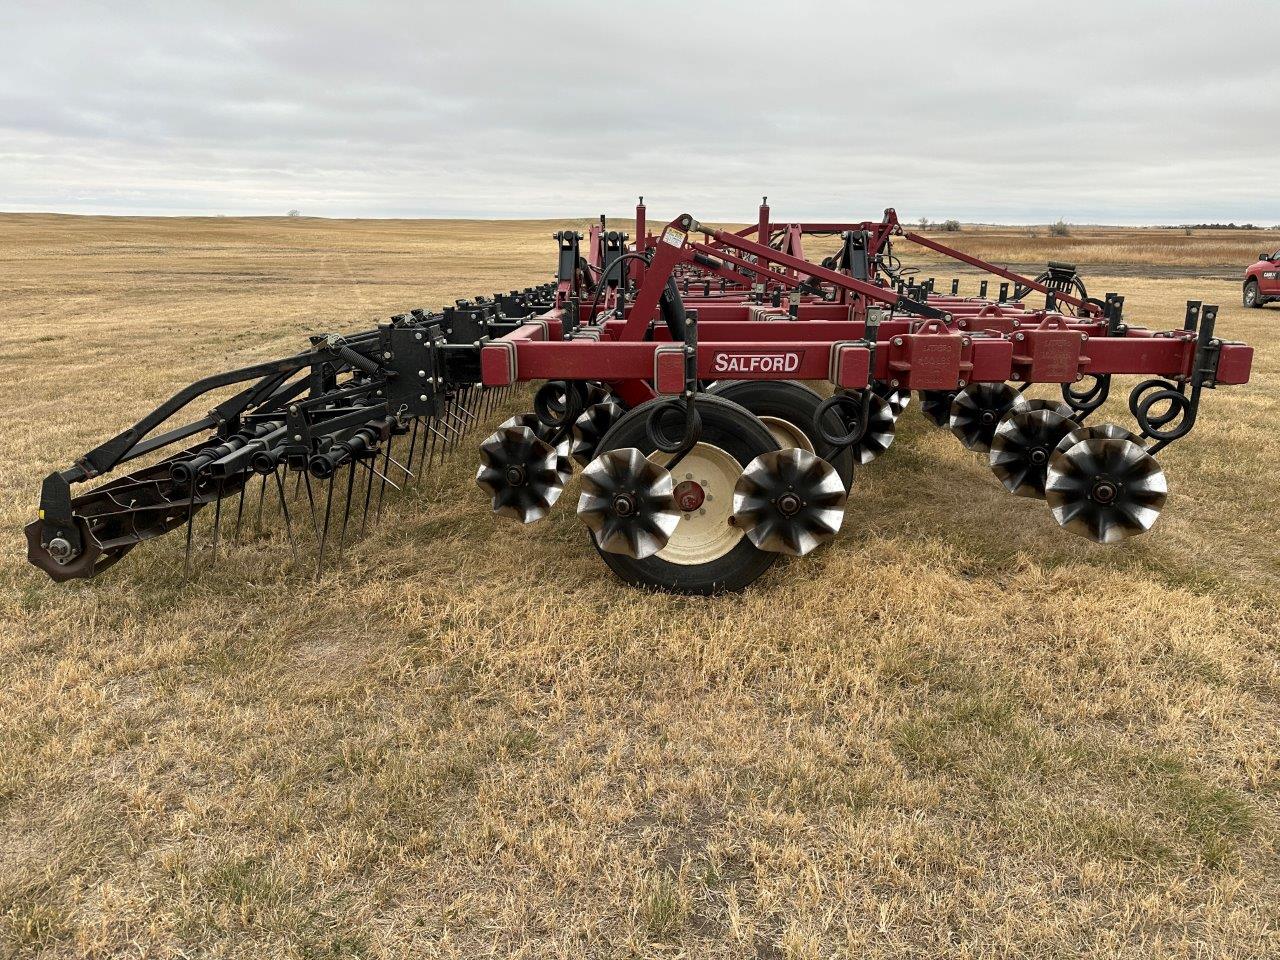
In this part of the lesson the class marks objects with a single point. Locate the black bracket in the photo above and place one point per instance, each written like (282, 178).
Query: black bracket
(420, 381)
(567, 265)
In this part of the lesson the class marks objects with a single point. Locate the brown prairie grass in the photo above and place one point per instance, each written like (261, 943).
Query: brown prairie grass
(1099, 247)
(954, 732)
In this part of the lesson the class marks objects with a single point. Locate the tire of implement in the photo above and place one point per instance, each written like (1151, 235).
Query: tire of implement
(795, 404)
(727, 429)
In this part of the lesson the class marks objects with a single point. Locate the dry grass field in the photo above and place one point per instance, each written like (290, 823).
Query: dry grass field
(954, 732)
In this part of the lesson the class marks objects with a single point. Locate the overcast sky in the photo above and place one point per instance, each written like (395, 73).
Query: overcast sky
(1116, 112)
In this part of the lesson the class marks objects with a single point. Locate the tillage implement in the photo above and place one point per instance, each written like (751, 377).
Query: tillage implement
(715, 388)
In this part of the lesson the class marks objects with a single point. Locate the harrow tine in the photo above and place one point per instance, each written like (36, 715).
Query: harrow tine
(460, 417)
(346, 510)
(240, 509)
(191, 516)
(386, 482)
(217, 520)
(447, 425)
(405, 470)
(445, 432)
(368, 492)
(284, 509)
(413, 445)
(441, 437)
(386, 467)
(428, 443)
(450, 410)
(262, 495)
(428, 439)
(311, 500)
(324, 533)
(455, 434)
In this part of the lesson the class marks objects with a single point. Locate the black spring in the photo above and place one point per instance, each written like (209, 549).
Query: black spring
(690, 426)
(851, 410)
(558, 403)
(1180, 411)
(1089, 398)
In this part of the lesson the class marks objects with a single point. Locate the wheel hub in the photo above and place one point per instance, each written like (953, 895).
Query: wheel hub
(704, 497)
(60, 549)
(689, 495)
(789, 504)
(1039, 455)
(515, 476)
(1104, 491)
(624, 504)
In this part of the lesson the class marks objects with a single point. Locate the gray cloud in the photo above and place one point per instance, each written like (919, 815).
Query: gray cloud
(1136, 112)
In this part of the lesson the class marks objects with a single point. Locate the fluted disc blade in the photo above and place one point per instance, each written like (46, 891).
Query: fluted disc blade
(519, 472)
(1059, 407)
(546, 434)
(1021, 448)
(590, 427)
(1106, 490)
(597, 393)
(898, 400)
(1099, 431)
(977, 410)
(878, 436)
(628, 503)
(789, 501)
(936, 406)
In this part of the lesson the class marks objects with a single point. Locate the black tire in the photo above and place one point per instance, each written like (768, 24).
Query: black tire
(797, 404)
(1251, 296)
(737, 432)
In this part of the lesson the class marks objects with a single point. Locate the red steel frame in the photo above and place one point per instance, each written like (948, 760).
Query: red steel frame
(958, 341)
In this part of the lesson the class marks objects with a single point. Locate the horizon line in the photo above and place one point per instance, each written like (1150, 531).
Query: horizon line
(1134, 225)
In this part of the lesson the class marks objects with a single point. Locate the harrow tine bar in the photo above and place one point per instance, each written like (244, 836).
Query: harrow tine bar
(368, 492)
(346, 510)
(217, 522)
(324, 533)
(288, 520)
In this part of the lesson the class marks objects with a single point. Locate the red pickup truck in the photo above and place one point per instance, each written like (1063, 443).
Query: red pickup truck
(1262, 280)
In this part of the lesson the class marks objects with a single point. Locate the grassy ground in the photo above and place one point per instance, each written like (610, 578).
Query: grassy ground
(955, 732)
(1100, 247)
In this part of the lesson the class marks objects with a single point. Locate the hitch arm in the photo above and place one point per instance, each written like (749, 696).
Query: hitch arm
(954, 254)
(869, 290)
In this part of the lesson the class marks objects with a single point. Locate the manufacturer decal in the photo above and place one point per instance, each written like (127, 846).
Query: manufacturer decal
(782, 361)
(1270, 274)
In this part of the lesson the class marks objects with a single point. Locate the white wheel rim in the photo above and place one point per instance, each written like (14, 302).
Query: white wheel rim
(788, 434)
(704, 534)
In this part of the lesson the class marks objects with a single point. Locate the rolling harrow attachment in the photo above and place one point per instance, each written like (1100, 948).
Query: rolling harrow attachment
(716, 388)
